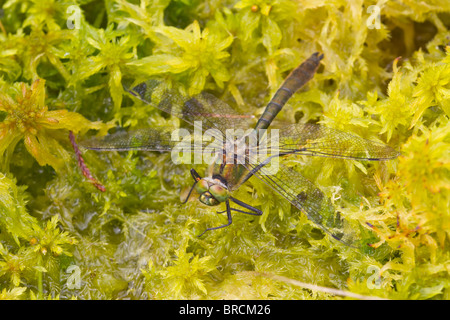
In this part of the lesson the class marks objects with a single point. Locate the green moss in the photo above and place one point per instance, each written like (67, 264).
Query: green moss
(58, 69)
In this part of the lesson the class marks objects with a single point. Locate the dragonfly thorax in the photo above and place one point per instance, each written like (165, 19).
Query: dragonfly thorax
(212, 191)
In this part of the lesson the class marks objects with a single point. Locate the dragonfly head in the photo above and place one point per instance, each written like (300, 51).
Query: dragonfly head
(212, 191)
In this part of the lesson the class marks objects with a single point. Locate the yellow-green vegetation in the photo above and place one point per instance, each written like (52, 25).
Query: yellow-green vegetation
(62, 65)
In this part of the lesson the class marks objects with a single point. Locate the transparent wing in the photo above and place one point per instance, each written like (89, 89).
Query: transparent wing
(212, 112)
(317, 140)
(203, 111)
(304, 195)
(162, 139)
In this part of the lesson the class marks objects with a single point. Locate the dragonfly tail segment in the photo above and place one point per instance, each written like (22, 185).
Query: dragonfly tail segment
(294, 81)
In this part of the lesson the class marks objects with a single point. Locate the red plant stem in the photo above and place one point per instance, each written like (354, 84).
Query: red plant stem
(83, 166)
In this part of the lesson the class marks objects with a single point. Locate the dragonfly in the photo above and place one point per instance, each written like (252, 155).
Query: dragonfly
(233, 164)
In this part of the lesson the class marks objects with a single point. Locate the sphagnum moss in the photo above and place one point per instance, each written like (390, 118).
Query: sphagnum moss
(385, 79)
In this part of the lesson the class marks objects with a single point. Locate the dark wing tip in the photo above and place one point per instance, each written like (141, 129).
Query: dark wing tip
(143, 90)
(139, 90)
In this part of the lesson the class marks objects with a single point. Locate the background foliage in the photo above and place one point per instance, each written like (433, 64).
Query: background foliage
(61, 71)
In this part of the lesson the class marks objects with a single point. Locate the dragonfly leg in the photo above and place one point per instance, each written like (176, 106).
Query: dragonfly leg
(196, 177)
(189, 194)
(255, 212)
(223, 226)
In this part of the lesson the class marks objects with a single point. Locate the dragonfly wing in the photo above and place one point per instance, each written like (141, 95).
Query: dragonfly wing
(144, 139)
(304, 195)
(317, 140)
(205, 107)
(162, 139)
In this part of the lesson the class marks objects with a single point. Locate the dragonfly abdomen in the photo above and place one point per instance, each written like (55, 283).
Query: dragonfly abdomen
(295, 80)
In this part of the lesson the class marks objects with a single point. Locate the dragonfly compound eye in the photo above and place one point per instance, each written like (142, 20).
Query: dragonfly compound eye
(208, 199)
(201, 186)
(219, 192)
